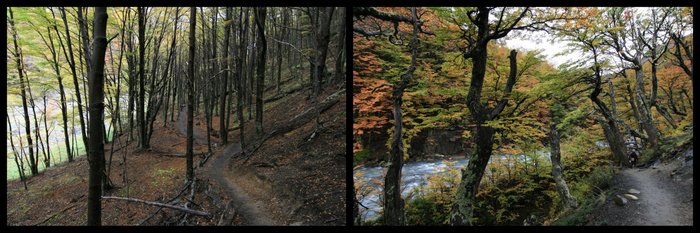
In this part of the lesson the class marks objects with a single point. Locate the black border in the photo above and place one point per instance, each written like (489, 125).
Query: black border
(349, 35)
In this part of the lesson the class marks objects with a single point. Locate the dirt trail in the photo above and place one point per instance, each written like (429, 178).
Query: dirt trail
(662, 201)
(182, 128)
(249, 210)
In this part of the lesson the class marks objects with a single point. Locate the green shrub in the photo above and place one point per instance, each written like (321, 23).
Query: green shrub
(361, 155)
(601, 177)
(426, 211)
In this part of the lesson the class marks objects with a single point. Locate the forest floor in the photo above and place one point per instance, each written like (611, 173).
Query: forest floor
(665, 198)
(288, 180)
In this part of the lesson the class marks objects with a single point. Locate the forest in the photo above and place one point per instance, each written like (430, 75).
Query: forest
(522, 116)
(208, 116)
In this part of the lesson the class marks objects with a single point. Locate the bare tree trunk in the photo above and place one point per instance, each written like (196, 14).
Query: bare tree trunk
(140, 111)
(223, 126)
(261, 44)
(340, 61)
(61, 89)
(20, 70)
(322, 37)
(86, 53)
(36, 123)
(96, 83)
(240, 81)
(190, 96)
(131, 61)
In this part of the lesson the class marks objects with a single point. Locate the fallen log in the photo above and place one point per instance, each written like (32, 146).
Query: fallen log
(186, 210)
(54, 215)
(295, 122)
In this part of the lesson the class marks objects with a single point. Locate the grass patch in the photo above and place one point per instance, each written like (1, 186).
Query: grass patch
(162, 175)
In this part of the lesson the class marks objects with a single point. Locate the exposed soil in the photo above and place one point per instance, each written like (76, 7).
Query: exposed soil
(301, 182)
(58, 196)
(289, 180)
(242, 203)
(663, 200)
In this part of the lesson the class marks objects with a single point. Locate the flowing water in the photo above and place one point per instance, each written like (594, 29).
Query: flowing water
(415, 175)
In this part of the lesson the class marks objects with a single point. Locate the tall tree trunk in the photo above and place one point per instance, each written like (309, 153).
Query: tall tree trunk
(644, 111)
(393, 203)
(261, 44)
(133, 76)
(96, 83)
(223, 126)
(610, 127)
(190, 96)
(83, 32)
(214, 65)
(322, 36)
(339, 61)
(72, 64)
(171, 59)
(140, 111)
(240, 80)
(250, 81)
(555, 156)
(36, 122)
(20, 70)
(463, 207)
(63, 106)
(280, 36)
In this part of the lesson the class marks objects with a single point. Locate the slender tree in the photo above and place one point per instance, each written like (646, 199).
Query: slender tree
(321, 23)
(140, 111)
(190, 96)
(261, 44)
(17, 53)
(96, 83)
(243, 30)
(18, 162)
(223, 125)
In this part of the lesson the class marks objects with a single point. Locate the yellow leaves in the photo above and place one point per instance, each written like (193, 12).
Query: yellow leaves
(616, 29)
(583, 23)
(510, 150)
(466, 134)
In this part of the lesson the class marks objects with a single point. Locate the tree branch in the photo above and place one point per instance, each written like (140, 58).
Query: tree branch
(190, 211)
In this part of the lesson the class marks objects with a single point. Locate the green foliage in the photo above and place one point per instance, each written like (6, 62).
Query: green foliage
(579, 216)
(601, 177)
(361, 155)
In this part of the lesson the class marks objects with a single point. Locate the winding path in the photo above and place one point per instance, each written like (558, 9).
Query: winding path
(661, 200)
(250, 211)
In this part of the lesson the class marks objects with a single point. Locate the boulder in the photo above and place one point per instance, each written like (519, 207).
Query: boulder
(619, 200)
(633, 191)
(631, 197)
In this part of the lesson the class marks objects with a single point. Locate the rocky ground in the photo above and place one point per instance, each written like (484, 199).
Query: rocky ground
(664, 193)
